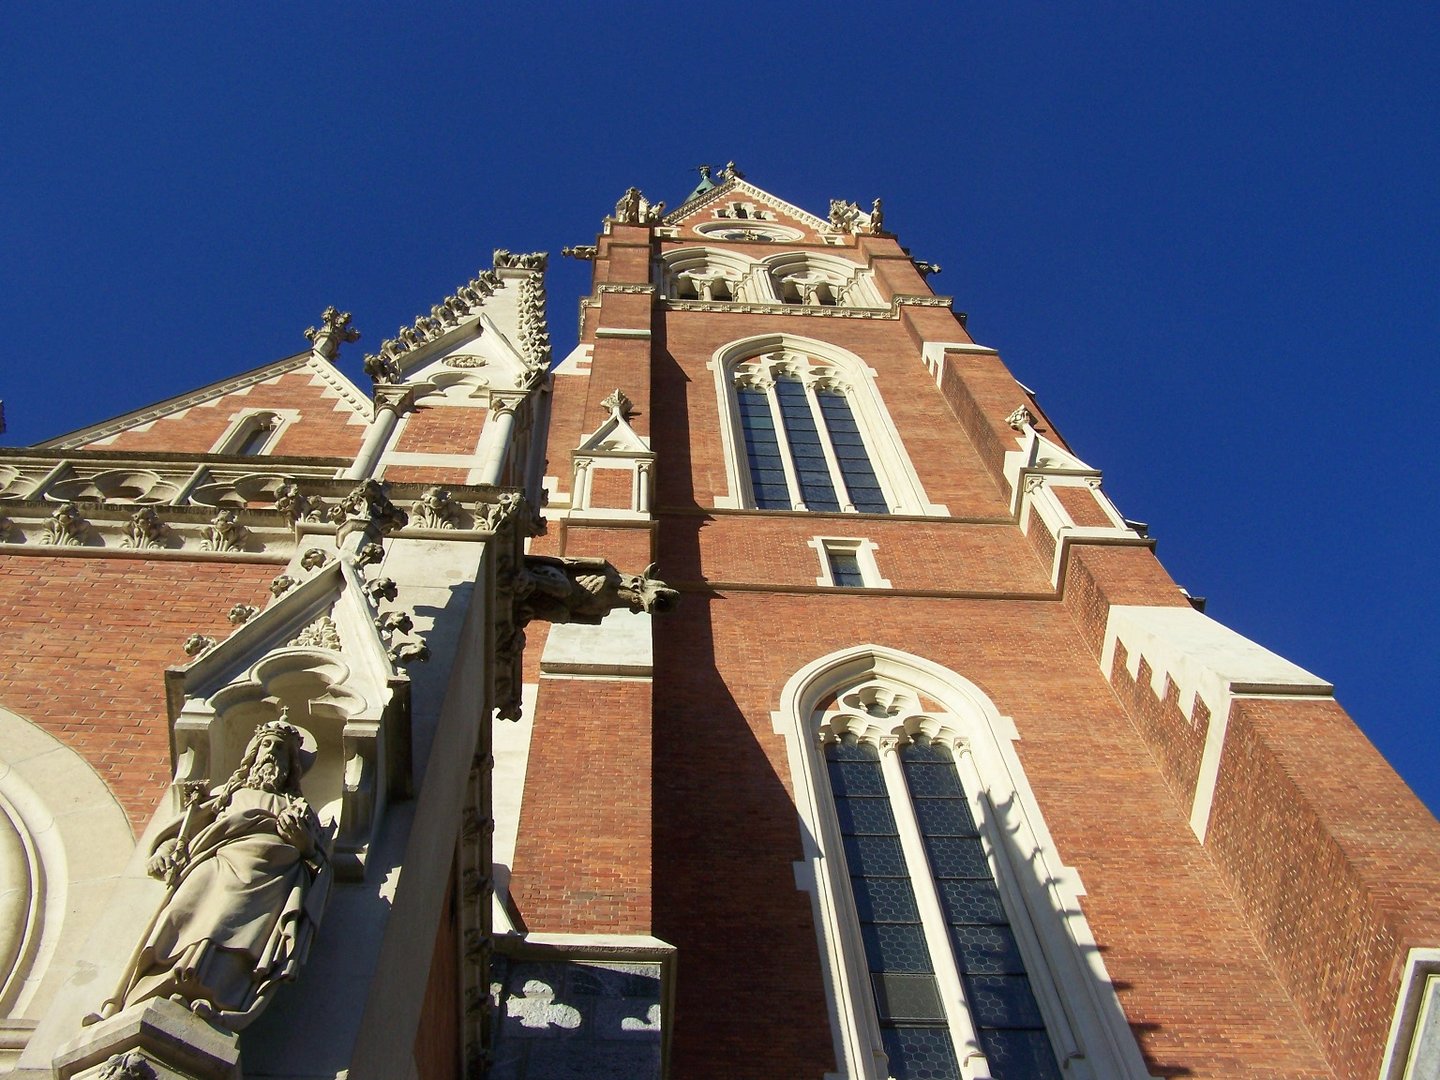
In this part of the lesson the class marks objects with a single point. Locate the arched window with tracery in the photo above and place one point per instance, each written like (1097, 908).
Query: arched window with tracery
(808, 431)
(954, 945)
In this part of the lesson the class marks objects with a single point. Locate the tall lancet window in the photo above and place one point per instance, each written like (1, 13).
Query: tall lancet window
(803, 447)
(943, 870)
(953, 941)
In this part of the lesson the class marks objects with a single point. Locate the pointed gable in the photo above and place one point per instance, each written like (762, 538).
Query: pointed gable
(299, 406)
(737, 211)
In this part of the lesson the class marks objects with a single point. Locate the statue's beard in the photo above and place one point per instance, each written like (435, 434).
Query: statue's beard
(264, 775)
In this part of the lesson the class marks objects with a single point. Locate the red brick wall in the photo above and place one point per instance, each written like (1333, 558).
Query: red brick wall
(424, 474)
(582, 859)
(86, 644)
(612, 488)
(323, 429)
(441, 431)
(1080, 503)
(1333, 859)
(726, 832)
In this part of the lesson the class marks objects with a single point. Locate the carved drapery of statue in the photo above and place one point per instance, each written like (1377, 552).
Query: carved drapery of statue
(247, 880)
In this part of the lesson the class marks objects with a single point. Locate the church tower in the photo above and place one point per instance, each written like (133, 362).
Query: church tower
(764, 689)
(934, 771)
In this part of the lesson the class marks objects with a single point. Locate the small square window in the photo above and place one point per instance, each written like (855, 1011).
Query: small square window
(847, 563)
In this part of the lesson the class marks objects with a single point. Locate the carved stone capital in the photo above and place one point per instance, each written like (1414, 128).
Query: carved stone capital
(397, 398)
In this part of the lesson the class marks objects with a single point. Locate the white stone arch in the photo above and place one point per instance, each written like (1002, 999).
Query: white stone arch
(817, 277)
(684, 273)
(887, 695)
(64, 841)
(827, 366)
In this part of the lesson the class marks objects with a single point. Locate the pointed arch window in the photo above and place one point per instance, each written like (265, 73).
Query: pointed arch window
(803, 447)
(900, 890)
(953, 942)
(804, 428)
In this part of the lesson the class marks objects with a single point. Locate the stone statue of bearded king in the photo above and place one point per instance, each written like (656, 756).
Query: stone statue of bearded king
(248, 879)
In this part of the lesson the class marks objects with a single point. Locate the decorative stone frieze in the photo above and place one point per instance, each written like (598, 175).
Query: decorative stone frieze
(334, 330)
(465, 363)
(811, 310)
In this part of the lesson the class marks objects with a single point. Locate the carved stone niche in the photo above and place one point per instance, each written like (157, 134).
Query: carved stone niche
(356, 728)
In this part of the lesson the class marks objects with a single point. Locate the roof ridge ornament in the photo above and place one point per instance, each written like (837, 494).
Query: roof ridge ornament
(634, 209)
(334, 330)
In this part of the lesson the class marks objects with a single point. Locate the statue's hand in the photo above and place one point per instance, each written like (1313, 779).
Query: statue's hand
(294, 829)
(165, 860)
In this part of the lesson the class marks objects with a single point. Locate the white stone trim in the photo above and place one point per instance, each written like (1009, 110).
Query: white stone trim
(862, 548)
(1067, 972)
(622, 332)
(510, 746)
(898, 479)
(1206, 661)
(1417, 1014)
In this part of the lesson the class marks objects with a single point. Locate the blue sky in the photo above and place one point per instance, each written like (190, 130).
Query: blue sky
(1206, 235)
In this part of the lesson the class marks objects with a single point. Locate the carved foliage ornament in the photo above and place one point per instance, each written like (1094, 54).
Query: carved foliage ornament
(1021, 418)
(145, 529)
(66, 527)
(435, 509)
